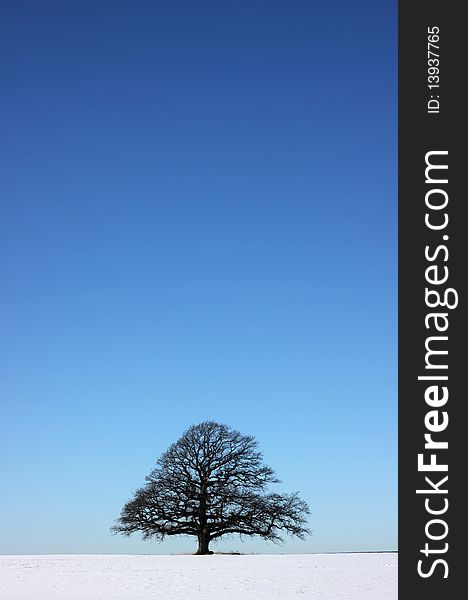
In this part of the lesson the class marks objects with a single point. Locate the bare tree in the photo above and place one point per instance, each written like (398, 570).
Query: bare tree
(210, 483)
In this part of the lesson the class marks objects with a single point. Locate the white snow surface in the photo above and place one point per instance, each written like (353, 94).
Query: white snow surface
(217, 577)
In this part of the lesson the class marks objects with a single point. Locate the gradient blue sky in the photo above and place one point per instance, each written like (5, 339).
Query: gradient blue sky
(198, 222)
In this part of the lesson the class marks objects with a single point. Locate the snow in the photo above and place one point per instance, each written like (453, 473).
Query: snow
(231, 577)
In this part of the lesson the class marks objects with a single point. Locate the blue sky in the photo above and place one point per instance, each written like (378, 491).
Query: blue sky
(198, 222)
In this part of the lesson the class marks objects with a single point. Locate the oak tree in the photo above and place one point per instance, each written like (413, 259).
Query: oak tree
(210, 483)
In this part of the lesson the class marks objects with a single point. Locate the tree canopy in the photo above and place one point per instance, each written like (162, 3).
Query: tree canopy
(210, 483)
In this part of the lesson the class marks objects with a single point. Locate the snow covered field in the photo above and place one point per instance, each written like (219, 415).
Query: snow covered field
(217, 577)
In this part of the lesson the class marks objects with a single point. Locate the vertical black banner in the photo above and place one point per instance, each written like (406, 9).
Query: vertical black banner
(432, 315)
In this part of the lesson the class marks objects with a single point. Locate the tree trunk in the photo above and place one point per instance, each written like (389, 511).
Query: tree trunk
(203, 543)
(203, 532)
